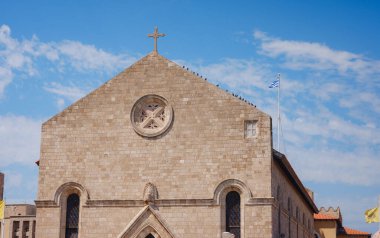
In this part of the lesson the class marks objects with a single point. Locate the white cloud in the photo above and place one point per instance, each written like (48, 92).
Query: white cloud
(328, 90)
(19, 140)
(331, 128)
(5, 38)
(311, 55)
(5, 78)
(11, 58)
(326, 124)
(238, 73)
(72, 93)
(13, 179)
(60, 103)
(355, 99)
(20, 184)
(313, 111)
(322, 164)
(88, 57)
(22, 56)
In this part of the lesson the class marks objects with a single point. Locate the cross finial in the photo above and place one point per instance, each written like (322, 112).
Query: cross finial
(156, 35)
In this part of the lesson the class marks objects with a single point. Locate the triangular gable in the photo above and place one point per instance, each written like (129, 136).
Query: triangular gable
(147, 221)
(128, 73)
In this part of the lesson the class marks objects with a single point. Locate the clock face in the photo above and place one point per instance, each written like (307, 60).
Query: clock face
(151, 115)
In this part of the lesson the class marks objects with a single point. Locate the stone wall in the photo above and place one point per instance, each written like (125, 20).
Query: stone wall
(285, 193)
(93, 143)
(326, 228)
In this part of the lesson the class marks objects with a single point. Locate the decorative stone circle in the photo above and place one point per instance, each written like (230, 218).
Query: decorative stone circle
(151, 115)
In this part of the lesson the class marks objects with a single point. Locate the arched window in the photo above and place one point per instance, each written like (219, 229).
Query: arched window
(233, 213)
(149, 236)
(72, 216)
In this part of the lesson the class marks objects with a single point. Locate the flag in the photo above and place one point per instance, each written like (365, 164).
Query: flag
(2, 207)
(275, 84)
(372, 215)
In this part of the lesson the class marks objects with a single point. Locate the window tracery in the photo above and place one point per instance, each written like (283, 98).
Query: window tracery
(151, 115)
(72, 216)
(233, 213)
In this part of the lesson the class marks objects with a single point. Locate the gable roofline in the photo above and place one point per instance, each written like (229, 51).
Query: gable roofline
(284, 164)
(68, 108)
(200, 77)
(137, 220)
(151, 54)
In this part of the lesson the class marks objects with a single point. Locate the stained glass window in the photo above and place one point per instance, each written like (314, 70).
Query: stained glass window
(72, 216)
(233, 213)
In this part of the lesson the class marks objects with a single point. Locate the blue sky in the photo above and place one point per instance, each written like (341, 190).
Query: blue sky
(54, 52)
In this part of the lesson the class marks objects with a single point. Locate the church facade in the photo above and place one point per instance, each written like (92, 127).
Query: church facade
(160, 152)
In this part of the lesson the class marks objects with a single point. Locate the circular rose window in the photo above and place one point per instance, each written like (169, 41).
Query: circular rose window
(151, 115)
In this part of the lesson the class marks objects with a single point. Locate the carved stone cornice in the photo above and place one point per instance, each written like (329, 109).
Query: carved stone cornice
(173, 202)
(115, 203)
(45, 203)
(260, 202)
(158, 202)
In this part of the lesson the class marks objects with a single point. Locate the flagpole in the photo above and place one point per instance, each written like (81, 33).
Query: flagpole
(278, 111)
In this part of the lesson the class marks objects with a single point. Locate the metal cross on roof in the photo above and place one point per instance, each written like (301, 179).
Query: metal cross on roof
(156, 35)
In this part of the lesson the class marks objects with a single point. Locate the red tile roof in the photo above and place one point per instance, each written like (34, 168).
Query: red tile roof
(321, 216)
(349, 231)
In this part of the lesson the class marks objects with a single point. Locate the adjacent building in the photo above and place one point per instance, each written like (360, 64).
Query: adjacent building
(20, 221)
(329, 224)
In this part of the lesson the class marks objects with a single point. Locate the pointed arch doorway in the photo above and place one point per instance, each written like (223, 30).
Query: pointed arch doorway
(148, 223)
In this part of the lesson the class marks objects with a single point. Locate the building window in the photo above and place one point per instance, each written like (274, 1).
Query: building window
(16, 229)
(25, 229)
(250, 129)
(72, 216)
(34, 229)
(233, 213)
(289, 206)
(149, 236)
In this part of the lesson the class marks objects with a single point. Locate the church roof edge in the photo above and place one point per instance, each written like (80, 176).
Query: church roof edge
(155, 54)
(289, 171)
